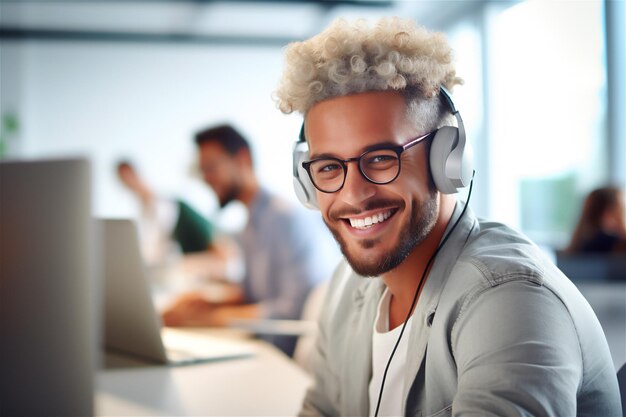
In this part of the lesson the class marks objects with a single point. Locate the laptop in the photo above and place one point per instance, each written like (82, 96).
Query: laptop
(132, 324)
(47, 300)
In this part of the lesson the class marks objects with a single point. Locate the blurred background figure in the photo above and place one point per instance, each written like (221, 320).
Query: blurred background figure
(284, 247)
(602, 224)
(166, 224)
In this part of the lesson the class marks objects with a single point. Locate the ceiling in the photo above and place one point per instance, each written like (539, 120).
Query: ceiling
(205, 21)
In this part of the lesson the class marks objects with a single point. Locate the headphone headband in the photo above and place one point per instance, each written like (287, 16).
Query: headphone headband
(443, 91)
(301, 136)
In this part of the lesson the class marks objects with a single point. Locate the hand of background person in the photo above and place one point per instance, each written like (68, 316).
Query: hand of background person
(189, 310)
(195, 310)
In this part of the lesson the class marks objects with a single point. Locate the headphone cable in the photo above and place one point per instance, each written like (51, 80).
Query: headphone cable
(417, 291)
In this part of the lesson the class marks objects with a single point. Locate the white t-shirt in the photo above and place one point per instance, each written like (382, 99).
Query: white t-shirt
(383, 341)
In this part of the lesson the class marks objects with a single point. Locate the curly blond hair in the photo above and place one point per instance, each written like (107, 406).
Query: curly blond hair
(352, 57)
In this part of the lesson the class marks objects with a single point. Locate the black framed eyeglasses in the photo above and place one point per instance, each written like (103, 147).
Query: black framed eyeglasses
(380, 165)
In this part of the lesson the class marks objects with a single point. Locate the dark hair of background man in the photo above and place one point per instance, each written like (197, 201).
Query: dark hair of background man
(226, 135)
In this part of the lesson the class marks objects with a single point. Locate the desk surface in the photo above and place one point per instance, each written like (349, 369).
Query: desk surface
(267, 384)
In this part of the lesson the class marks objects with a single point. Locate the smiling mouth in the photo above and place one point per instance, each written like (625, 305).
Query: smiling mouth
(367, 222)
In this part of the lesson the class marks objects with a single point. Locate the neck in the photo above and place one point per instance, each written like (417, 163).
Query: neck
(403, 281)
(249, 191)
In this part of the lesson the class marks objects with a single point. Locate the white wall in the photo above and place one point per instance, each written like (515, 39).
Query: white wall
(145, 101)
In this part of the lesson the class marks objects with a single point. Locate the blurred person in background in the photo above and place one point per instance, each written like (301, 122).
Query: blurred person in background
(280, 244)
(602, 224)
(165, 221)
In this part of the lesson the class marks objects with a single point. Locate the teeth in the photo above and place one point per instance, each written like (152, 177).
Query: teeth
(369, 221)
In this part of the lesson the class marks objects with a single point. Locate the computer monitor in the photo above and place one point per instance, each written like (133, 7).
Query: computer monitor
(47, 300)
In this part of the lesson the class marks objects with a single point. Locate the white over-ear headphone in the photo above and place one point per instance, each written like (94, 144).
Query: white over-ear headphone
(305, 190)
(451, 159)
(451, 156)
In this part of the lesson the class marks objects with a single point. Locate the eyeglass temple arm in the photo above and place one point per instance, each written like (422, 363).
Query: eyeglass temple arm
(418, 140)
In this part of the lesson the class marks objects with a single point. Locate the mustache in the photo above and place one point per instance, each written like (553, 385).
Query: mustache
(343, 212)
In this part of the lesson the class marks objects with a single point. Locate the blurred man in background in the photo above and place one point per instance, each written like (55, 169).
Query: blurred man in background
(281, 246)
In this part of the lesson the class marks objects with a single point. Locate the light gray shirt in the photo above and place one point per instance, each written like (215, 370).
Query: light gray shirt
(498, 331)
(286, 252)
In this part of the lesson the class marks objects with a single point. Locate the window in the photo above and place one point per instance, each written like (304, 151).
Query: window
(547, 118)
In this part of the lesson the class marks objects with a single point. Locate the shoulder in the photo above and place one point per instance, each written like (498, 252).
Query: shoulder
(495, 255)
(269, 203)
(502, 254)
(502, 280)
(280, 211)
(273, 213)
(281, 214)
(492, 255)
(502, 269)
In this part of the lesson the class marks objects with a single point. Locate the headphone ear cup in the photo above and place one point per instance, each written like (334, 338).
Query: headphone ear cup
(441, 147)
(302, 185)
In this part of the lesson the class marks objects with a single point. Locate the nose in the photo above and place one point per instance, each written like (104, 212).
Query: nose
(356, 189)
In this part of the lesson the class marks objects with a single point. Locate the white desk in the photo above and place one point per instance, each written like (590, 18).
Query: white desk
(267, 384)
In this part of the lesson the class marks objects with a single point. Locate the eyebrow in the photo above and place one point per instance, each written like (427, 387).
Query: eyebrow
(376, 146)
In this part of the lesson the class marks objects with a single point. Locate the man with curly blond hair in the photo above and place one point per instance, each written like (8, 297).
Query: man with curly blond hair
(459, 316)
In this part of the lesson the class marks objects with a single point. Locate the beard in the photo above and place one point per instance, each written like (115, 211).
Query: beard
(422, 219)
(231, 194)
